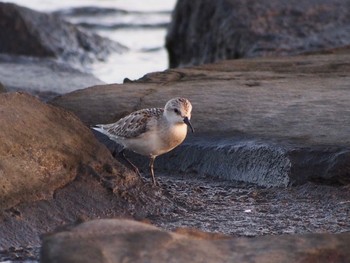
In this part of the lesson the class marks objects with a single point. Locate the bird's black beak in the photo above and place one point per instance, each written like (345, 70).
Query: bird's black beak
(187, 121)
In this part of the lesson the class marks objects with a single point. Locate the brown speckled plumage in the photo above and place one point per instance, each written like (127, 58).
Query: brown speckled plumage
(134, 124)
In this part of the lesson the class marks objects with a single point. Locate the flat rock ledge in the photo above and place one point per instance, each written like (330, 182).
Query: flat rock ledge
(268, 121)
(262, 162)
(116, 241)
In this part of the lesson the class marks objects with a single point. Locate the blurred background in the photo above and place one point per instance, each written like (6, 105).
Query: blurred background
(138, 25)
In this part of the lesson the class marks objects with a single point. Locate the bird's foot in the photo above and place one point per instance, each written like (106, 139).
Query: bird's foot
(155, 182)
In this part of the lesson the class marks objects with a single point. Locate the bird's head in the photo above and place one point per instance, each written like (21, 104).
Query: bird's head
(178, 110)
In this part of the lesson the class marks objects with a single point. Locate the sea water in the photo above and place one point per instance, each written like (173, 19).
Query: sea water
(140, 25)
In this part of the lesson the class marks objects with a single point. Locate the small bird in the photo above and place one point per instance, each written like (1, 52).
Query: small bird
(151, 132)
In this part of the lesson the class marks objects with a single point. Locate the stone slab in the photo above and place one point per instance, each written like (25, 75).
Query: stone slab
(274, 121)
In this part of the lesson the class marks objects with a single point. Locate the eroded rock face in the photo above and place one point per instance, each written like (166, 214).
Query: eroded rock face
(128, 241)
(208, 31)
(42, 149)
(30, 33)
(271, 121)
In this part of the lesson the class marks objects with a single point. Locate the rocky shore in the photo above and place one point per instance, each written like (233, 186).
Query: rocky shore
(45, 35)
(265, 178)
(260, 119)
(46, 56)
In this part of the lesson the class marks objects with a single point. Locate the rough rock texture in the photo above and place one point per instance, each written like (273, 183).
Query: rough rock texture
(90, 195)
(45, 78)
(102, 188)
(31, 33)
(53, 171)
(42, 148)
(127, 241)
(240, 209)
(207, 31)
(272, 121)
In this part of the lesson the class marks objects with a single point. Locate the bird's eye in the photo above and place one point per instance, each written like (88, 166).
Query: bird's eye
(176, 111)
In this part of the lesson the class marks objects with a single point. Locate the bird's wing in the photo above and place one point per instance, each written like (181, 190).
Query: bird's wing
(134, 124)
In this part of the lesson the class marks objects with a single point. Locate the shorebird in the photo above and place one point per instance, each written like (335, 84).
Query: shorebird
(151, 132)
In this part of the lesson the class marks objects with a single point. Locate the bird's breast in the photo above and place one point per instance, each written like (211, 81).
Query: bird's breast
(174, 136)
(157, 142)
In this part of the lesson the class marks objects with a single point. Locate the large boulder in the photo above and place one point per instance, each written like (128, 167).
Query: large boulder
(272, 121)
(207, 31)
(53, 171)
(43, 148)
(128, 241)
(30, 33)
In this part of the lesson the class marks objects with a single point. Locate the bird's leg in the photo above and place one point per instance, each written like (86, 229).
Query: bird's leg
(151, 162)
(122, 155)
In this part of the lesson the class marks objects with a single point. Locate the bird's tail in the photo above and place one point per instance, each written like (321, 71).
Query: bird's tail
(99, 128)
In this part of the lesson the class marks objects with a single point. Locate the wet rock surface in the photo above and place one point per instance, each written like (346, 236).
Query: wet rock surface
(30, 33)
(44, 78)
(121, 240)
(208, 31)
(262, 162)
(271, 121)
(46, 56)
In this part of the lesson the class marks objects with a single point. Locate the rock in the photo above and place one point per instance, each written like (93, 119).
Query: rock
(45, 78)
(269, 121)
(2, 88)
(105, 192)
(208, 31)
(43, 148)
(111, 240)
(53, 171)
(30, 33)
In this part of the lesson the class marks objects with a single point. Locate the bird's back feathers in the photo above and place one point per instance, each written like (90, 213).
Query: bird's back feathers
(132, 125)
